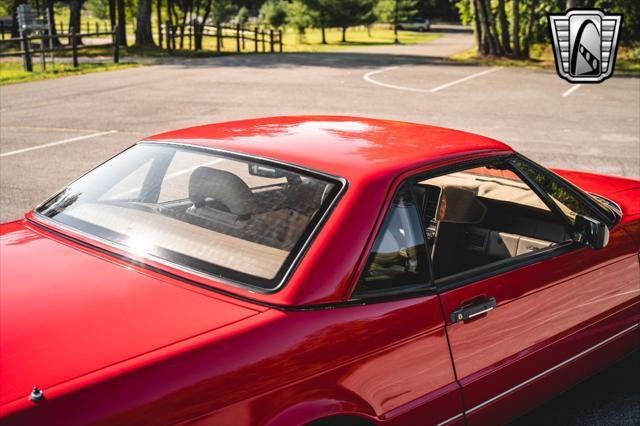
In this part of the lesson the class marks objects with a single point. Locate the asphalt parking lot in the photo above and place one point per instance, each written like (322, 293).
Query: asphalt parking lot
(53, 131)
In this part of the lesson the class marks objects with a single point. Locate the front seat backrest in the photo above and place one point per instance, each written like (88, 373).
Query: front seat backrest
(223, 188)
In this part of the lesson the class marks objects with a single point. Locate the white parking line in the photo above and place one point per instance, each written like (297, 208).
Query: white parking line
(47, 145)
(571, 90)
(469, 77)
(367, 77)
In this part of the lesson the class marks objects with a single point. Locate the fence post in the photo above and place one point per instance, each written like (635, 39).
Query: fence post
(167, 32)
(218, 35)
(74, 46)
(255, 38)
(26, 54)
(242, 35)
(50, 31)
(116, 45)
(280, 39)
(271, 40)
(238, 38)
(43, 63)
(264, 40)
(2, 28)
(88, 28)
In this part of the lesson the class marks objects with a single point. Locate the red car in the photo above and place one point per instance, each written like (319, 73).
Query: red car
(323, 270)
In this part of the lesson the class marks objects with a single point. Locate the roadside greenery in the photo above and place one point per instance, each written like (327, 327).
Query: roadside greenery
(509, 28)
(12, 72)
(541, 56)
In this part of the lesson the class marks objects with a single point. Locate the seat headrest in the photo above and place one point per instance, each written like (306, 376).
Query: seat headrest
(223, 187)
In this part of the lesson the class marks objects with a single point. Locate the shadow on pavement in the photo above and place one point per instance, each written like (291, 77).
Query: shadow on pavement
(337, 60)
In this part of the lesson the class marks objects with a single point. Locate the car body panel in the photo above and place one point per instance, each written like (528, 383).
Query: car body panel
(256, 371)
(546, 313)
(114, 337)
(76, 312)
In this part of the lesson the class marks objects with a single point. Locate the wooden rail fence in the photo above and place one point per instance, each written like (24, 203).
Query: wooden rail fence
(245, 39)
(45, 46)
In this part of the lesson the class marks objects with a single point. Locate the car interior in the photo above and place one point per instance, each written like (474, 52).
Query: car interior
(480, 216)
(213, 215)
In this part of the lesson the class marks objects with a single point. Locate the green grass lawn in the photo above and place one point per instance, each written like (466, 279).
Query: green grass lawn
(541, 56)
(311, 42)
(356, 37)
(12, 72)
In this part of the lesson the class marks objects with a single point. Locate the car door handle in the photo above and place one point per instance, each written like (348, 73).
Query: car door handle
(468, 312)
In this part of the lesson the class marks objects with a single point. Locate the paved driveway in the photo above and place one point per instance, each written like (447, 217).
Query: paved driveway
(53, 131)
(595, 127)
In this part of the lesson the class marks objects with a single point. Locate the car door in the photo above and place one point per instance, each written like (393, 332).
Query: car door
(411, 382)
(522, 328)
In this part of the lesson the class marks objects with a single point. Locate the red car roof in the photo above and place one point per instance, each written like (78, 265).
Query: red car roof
(369, 153)
(349, 147)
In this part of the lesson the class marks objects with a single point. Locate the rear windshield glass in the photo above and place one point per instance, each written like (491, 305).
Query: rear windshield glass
(221, 214)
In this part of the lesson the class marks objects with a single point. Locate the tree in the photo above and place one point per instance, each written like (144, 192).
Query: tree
(222, 10)
(322, 11)
(350, 13)
(112, 13)
(504, 26)
(48, 4)
(122, 23)
(14, 17)
(242, 17)
(273, 13)
(300, 17)
(98, 8)
(144, 31)
(75, 17)
(159, 21)
(515, 34)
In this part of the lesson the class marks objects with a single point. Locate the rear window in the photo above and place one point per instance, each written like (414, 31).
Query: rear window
(220, 214)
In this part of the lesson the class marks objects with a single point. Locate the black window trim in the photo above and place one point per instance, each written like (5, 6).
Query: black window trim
(487, 271)
(407, 291)
(592, 205)
(297, 254)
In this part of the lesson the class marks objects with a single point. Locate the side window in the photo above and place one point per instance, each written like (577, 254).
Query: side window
(567, 202)
(398, 256)
(484, 216)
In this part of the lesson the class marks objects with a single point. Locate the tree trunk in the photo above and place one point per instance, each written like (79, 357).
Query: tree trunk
(159, 19)
(488, 43)
(529, 30)
(200, 26)
(122, 24)
(493, 28)
(185, 12)
(144, 31)
(344, 34)
(112, 13)
(504, 27)
(572, 4)
(324, 38)
(75, 14)
(476, 26)
(14, 18)
(515, 34)
(52, 30)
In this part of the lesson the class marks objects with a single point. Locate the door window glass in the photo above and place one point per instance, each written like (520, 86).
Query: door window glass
(398, 256)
